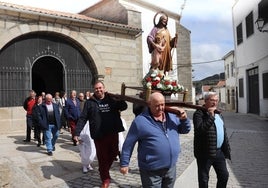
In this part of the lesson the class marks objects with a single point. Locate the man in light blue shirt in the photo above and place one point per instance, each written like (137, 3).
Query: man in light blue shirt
(219, 129)
(211, 145)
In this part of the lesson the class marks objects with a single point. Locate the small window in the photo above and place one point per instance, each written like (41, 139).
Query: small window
(249, 24)
(265, 85)
(241, 87)
(239, 34)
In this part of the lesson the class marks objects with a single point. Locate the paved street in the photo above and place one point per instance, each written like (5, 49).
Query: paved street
(248, 136)
(249, 143)
(25, 165)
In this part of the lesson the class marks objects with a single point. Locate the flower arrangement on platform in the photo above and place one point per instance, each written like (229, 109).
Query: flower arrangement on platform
(157, 80)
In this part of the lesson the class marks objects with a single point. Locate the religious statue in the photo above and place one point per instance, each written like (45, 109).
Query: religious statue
(160, 44)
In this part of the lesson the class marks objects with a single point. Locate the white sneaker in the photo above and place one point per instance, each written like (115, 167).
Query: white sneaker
(85, 169)
(90, 167)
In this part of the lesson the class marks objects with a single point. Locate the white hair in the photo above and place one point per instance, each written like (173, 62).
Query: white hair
(209, 94)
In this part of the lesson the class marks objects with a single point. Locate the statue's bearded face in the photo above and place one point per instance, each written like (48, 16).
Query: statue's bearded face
(163, 20)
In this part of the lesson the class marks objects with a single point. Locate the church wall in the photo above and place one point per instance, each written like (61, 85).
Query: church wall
(12, 119)
(118, 57)
(184, 63)
(114, 54)
(110, 10)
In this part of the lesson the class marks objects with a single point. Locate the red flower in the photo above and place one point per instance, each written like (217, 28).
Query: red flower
(167, 82)
(148, 79)
(174, 83)
(154, 83)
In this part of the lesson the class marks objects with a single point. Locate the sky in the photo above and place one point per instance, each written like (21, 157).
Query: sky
(210, 23)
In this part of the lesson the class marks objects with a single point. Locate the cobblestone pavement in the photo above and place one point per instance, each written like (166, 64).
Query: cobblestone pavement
(132, 180)
(25, 165)
(249, 144)
(248, 168)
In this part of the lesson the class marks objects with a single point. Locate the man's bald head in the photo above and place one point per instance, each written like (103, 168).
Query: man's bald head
(156, 104)
(155, 97)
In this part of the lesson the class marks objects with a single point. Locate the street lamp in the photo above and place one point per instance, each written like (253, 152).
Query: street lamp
(260, 25)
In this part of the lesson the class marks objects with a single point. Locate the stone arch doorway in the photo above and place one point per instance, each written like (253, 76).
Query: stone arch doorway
(67, 65)
(47, 75)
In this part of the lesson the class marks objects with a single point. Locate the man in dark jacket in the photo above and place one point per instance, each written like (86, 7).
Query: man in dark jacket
(103, 114)
(49, 120)
(72, 112)
(37, 128)
(211, 145)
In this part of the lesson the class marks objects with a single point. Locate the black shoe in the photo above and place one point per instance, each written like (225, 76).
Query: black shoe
(26, 140)
(38, 145)
(50, 153)
(54, 148)
(74, 142)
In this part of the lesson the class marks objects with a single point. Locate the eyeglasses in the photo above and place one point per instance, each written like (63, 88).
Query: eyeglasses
(213, 100)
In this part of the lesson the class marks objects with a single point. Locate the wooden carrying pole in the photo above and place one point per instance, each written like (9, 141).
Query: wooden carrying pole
(168, 106)
(142, 102)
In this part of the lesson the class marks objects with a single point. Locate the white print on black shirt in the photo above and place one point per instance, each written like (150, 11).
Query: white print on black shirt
(104, 107)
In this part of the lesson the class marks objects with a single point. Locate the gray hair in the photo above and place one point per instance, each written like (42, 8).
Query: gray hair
(209, 95)
(49, 96)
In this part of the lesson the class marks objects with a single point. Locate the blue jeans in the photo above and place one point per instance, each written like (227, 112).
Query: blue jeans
(51, 135)
(162, 178)
(219, 165)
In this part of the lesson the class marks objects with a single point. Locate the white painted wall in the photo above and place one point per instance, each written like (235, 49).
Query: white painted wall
(253, 52)
(221, 93)
(231, 80)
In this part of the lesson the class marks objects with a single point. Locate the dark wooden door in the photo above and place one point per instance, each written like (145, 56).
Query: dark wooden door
(253, 91)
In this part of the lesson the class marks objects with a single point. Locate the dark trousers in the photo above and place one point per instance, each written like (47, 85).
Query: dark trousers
(63, 120)
(107, 151)
(38, 131)
(219, 165)
(29, 126)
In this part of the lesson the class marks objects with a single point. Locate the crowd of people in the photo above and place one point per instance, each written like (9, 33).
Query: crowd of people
(49, 115)
(93, 120)
(95, 123)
